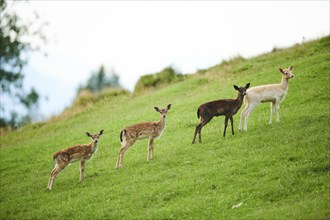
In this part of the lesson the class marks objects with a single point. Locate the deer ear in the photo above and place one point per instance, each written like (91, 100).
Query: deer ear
(169, 106)
(281, 70)
(157, 109)
(291, 68)
(236, 87)
(88, 134)
(247, 85)
(101, 132)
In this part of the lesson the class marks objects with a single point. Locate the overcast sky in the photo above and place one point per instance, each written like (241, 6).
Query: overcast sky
(141, 37)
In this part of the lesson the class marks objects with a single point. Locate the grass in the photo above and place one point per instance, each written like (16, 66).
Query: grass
(278, 171)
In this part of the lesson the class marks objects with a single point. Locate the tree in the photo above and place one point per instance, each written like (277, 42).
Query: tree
(14, 51)
(100, 80)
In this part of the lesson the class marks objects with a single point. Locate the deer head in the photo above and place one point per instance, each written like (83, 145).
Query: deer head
(242, 90)
(95, 137)
(287, 73)
(164, 111)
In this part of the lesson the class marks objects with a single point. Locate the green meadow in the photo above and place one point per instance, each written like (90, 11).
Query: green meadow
(278, 171)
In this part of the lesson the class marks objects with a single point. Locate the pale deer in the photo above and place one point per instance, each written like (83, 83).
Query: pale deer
(72, 154)
(273, 93)
(150, 130)
(226, 107)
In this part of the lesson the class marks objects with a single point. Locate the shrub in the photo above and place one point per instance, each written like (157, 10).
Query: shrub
(86, 97)
(163, 77)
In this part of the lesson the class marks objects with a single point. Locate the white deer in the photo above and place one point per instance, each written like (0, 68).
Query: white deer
(72, 154)
(273, 93)
(150, 130)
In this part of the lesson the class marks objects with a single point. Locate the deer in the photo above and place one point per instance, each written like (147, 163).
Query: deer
(273, 93)
(151, 130)
(226, 107)
(73, 154)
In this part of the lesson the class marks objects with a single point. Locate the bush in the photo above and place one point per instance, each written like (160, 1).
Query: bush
(86, 97)
(163, 77)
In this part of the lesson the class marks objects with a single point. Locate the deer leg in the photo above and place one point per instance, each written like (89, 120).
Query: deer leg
(150, 149)
(247, 114)
(82, 170)
(120, 157)
(117, 163)
(202, 124)
(277, 104)
(51, 178)
(232, 126)
(57, 169)
(272, 108)
(243, 115)
(250, 109)
(226, 124)
(121, 153)
(196, 131)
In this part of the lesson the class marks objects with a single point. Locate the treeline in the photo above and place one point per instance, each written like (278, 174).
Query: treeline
(104, 84)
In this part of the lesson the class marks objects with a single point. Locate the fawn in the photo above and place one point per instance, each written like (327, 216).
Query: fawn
(273, 93)
(226, 107)
(150, 130)
(72, 154)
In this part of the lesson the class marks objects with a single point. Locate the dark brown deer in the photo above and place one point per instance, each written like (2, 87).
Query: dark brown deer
(226, 107)
(72, 154)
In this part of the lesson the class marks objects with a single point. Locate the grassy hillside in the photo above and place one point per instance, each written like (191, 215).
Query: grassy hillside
(278, 171)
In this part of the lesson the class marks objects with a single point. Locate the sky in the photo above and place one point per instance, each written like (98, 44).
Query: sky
(141, 37)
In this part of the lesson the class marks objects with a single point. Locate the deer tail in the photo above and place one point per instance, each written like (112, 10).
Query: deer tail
(198, 115)
(122, 133)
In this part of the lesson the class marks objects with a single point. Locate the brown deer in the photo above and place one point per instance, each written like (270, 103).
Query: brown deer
(150, 130)
(72, 154)
(226, 107)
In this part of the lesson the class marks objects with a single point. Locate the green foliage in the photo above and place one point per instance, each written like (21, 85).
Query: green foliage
(99, 87)
(86, 98)
(278, 171)
(151, 81)
(100, 80)
(14, 51)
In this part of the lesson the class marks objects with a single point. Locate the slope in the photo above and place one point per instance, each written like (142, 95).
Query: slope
(279, 171)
